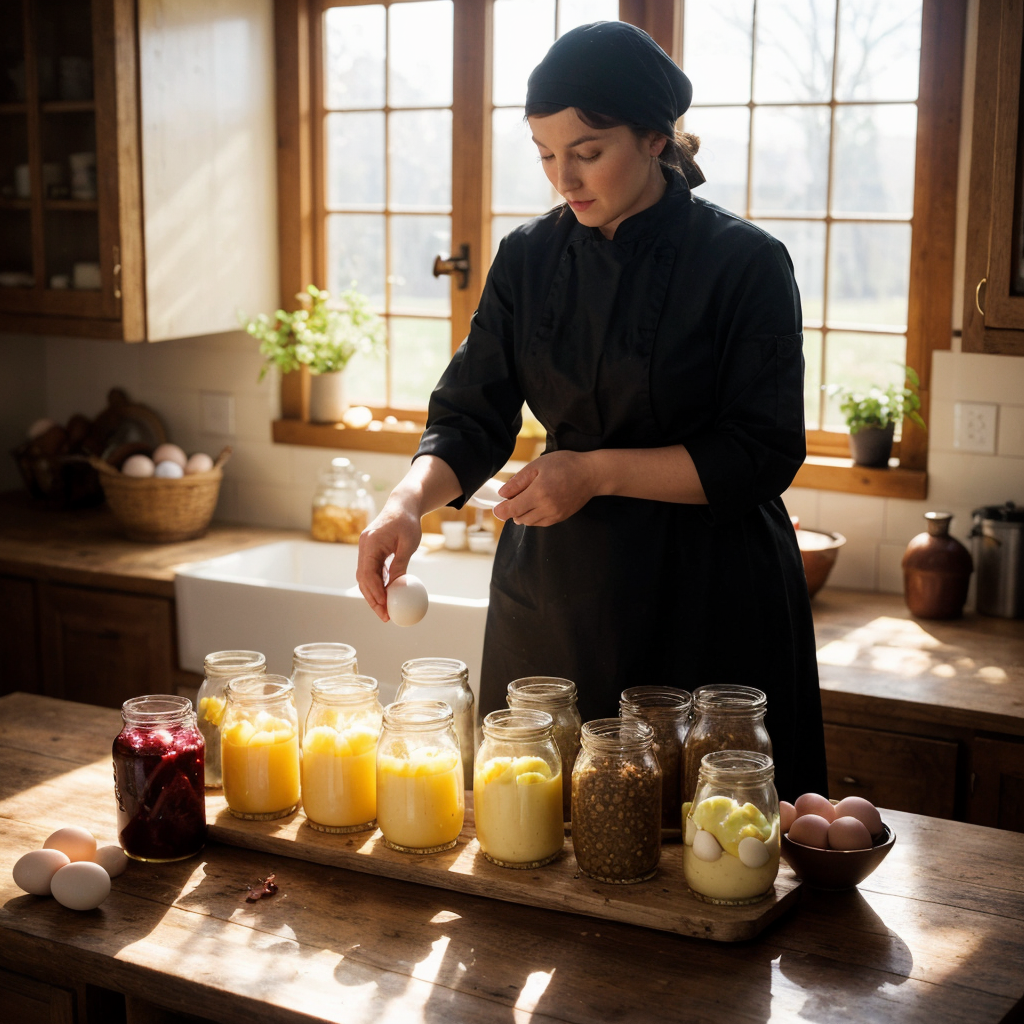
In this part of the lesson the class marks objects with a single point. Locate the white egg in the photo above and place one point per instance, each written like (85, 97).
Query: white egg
(706, 846)
(33, 871)
(198, 463)
(170, 453)
(77, 843)
(112, 859)
(80, 886)
(752, 852)
(138, 465)
(39, 428)
(168, 470)
(407, 600)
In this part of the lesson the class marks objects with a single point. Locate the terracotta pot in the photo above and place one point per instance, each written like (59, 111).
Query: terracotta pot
(872, 446)
(327, 397)
(936, 571)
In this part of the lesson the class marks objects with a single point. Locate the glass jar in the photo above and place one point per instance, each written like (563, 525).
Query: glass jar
(616, 802)
(731, 846)
(444, 679)
(667, 711)
(557, 697)
(158, 779)
(725, 717)
(259, 747)
(311, 662)
(342, 506)
(219, 667)
(517, 789)
(339, 755)
(421, 800)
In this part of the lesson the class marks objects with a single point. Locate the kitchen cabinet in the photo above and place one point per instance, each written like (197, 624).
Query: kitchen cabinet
(137, 197)
(27, 1001)
(997, 783)
(994, 283)
(19, 645)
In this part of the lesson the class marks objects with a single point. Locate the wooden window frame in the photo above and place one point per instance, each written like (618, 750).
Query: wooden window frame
(930, 301)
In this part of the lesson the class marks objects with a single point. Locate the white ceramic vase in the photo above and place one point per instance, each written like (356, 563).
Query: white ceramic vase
(327, 397)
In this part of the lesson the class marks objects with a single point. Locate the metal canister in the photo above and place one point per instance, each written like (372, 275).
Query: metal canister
(999, 560)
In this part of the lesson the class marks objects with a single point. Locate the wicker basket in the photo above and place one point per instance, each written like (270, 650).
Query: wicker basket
(155, 509)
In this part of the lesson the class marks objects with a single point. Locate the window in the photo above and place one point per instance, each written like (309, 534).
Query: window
(832, 123)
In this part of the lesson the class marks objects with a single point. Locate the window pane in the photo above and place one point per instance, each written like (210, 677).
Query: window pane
(420, 54)
(716, 50)
(869, 274)
(420, 156)
(874, 160)
(354, 41)
(355, 253)
(790, 159)
(420, 350)
(500, 227)
(805, 241)
(812, 379)
(518, 183)
(523, 31)
(879, 50)
(861, 361)
(355, 164)
(724, 134)
(581, 12)
(365, 379)
(793, 50)
(415, 241)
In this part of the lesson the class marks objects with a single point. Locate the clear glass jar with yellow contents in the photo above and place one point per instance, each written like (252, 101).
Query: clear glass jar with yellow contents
(259, 747)
(421, 799)
(731, 844)
(339, 755)
(517, 789)
(219, 667)
(311, 662)
(342, 504)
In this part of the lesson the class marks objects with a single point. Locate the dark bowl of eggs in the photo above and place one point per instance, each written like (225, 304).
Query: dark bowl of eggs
(834, 844)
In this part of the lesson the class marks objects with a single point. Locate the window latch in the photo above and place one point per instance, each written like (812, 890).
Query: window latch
(454, 265)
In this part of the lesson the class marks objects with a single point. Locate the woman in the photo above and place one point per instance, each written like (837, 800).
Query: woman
(657, 338)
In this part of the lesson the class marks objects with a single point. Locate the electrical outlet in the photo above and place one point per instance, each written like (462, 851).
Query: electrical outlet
(218, 413)
(974, 427)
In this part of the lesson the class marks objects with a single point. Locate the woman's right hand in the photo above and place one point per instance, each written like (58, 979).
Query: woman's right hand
(396, 531)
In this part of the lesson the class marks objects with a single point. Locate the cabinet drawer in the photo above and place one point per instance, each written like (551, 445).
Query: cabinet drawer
(905, 773)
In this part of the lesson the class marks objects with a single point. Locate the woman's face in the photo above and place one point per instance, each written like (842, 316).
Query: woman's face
(604, 174)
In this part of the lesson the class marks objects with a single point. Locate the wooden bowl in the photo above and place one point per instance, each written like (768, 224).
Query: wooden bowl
(836, 869)
(819, 551)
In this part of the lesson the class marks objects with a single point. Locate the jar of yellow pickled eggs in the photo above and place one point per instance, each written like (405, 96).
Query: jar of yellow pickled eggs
(339, 755)
(517, 789)
(259, 747)
(421, 799)
(731, 843)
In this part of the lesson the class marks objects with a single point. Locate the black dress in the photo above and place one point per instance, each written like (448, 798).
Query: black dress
(683, 329)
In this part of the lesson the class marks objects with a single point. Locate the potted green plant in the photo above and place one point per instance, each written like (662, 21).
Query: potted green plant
(872, 416)
(323, 336)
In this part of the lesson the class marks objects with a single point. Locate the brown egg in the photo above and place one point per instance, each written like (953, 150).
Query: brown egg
(815, 803)
(848, 834)
(861, 809)
(787, 814)
(810, 830)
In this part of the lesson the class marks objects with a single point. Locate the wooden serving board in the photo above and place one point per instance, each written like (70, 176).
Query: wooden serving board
(664, 903)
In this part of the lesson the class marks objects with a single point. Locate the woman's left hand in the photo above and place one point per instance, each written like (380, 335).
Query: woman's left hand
(548, 490)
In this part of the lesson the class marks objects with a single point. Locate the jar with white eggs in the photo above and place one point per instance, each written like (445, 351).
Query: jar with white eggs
(342, 505)
(731, 844)
(445, 679)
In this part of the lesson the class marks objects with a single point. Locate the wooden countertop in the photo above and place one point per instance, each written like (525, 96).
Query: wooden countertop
(936, 933)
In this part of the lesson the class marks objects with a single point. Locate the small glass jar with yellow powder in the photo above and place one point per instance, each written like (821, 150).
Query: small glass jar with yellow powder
(731, 838)
(339, 755)
(219, 668)
(259, 747)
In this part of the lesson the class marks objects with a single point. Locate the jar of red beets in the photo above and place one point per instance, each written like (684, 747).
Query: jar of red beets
(159, 779)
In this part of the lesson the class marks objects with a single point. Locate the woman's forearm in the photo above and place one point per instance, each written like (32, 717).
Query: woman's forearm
(659, 474)
(430, 483)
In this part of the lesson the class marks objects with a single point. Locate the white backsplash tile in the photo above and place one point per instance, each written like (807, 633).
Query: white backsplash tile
(1010, 442)
(855, 516)
(890, 568)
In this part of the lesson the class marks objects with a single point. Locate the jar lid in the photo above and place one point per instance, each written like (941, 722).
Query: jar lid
(1008, 513)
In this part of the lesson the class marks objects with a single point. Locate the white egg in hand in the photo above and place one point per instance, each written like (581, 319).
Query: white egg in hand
(407, 600)
(138, 465)
(170, 453)
(168, 470)
(81, 885)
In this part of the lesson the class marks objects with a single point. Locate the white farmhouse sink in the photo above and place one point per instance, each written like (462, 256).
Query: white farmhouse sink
(274, 597)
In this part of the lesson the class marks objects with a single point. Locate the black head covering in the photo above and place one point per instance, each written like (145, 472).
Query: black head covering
(615, 69)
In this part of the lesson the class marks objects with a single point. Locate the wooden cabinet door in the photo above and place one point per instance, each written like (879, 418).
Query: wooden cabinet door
(904, 773)
(27, 1001)
(102, 648)
(997, 790)
(19, 653)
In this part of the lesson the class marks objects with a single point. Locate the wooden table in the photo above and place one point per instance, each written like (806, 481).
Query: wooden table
(935, 934)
